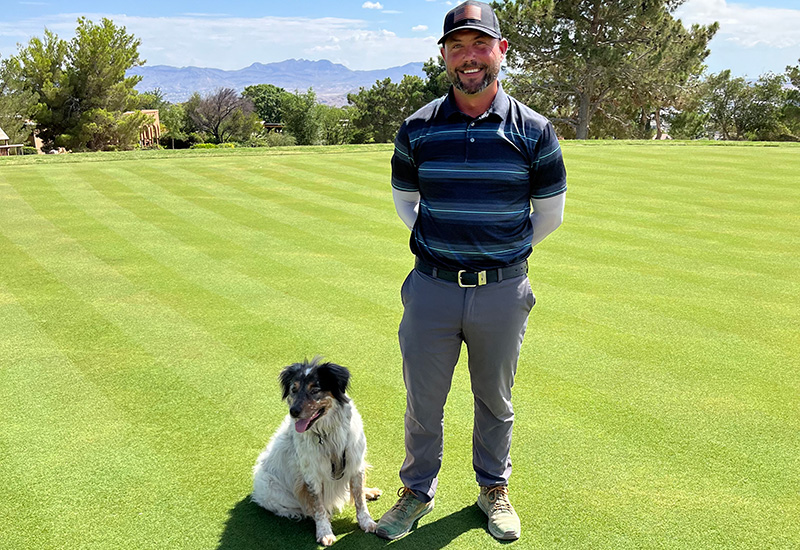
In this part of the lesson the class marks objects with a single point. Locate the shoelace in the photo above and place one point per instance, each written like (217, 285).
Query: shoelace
(498, 497)
(406, 496)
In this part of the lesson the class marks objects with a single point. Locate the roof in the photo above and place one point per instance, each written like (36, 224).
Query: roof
(3, 135)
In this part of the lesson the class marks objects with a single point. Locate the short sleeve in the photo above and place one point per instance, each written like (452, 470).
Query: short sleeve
(404, 169)
(548, 176)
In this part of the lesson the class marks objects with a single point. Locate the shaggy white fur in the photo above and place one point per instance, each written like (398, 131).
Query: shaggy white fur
(314, 473)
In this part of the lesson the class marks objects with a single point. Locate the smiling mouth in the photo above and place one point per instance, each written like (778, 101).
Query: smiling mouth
(303, 424)
(471, 72)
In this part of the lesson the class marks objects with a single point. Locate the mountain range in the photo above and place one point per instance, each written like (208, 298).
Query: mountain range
(330, 81)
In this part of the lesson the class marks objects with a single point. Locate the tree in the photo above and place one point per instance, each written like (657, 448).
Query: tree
(381, 110)
(154, 99)
(224, 115)
(791, 109)
(16, 107)
(39, 70)
(81, 85)
(437, 83)
(335, 124)
(658, 82)
(266, 99)
(687, 119)
(570, 58)
(300, 116)
(174, 124)
(740, 110)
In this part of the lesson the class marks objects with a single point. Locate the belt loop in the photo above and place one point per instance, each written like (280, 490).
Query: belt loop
(500, 275)
(435, 272)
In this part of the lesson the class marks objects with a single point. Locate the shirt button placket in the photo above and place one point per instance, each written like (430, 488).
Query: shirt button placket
(470, 138)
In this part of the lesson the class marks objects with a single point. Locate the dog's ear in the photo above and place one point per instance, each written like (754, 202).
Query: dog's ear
(286, 377)
(335, 379)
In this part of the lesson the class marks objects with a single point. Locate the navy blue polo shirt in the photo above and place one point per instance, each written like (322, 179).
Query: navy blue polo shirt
(476, 178)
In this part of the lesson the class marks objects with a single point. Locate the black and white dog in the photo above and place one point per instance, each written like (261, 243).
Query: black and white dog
(314, 464)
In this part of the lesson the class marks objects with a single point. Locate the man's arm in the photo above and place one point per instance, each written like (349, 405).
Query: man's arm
(407, 205)
(547, 215)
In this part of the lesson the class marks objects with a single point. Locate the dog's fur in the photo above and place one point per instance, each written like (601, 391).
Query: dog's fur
(315, 463)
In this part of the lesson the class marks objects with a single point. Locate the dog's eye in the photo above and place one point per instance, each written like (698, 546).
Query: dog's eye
(295, 388)
(314, 389)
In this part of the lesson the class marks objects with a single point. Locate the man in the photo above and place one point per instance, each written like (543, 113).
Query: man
(479, 180)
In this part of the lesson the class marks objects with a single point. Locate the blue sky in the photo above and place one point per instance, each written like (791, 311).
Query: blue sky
(755, 36)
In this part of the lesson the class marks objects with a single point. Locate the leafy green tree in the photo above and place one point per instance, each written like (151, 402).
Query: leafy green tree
(571, 58)
(101, 129)
(335, 124)
(16, 107)
(791, 109)
(266, 99)
(738, 109)
(39, 70)
(81, 85)
(300, 116)
(153, 99)
(381, 110)
(224, 115)
(661, 76)
(174, 126)
(687, 119)
(436, 84)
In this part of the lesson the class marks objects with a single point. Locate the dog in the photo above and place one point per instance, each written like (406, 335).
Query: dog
(314, 463)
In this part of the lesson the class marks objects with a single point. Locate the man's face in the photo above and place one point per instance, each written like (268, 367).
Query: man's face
(473, 60)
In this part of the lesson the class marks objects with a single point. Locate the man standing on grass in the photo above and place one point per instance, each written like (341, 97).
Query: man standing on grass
(479, 179)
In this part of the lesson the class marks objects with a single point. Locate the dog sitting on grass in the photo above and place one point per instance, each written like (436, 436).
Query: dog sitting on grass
(314, 464)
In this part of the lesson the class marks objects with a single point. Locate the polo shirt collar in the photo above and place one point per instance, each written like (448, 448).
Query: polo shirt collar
(498, 108)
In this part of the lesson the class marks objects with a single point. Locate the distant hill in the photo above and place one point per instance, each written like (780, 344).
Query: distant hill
(330, 81)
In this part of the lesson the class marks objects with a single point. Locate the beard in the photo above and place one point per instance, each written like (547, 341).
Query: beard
(470, 88)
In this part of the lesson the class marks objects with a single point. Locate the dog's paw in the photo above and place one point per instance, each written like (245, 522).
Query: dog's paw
(372, 493)
(368, 526)
(327, 540)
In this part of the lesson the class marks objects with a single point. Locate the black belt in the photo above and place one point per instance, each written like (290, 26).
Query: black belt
(468, 279)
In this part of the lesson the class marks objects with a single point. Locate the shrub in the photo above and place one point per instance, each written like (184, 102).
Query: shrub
(275, 139)
(204, 146)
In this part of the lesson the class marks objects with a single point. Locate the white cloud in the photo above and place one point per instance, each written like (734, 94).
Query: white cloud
(372, 6)
(745, 25)
(420, 28)
(234, 43)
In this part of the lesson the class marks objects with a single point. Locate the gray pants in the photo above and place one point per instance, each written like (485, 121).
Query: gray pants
(438, 316)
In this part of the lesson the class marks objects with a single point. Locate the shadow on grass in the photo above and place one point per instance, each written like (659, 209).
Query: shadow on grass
(250, 527)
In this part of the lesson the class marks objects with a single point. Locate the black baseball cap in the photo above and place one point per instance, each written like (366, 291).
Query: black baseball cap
(471, 15)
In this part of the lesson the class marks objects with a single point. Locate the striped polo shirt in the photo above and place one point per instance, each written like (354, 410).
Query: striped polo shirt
(476, 178)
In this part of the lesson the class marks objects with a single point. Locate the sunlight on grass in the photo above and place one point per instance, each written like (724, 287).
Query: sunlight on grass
(148, 301)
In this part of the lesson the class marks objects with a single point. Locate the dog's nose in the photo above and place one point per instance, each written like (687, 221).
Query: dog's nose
(295, 411)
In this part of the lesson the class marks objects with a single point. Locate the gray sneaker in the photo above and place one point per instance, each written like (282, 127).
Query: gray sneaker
(399, 520)
(503, 519)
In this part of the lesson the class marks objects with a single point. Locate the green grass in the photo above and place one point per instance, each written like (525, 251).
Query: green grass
(148, 300)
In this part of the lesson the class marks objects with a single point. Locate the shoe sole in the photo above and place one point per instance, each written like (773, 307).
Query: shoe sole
(499, 535)
(384, 535)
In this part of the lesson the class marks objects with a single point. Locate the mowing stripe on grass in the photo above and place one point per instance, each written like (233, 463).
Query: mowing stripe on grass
(146, 307)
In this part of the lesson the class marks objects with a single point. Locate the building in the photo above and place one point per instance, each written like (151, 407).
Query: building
(6, 148)
(150, 133)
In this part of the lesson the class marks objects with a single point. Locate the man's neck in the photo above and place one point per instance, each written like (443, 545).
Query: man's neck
(474, 105)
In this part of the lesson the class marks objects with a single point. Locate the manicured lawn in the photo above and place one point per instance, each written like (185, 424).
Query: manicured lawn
(148, 301)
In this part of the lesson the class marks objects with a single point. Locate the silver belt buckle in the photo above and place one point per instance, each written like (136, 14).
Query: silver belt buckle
(481, 279)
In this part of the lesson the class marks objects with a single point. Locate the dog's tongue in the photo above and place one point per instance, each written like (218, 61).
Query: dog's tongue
(301, 424)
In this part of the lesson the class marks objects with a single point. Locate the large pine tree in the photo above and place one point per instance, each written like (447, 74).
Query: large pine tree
(81, 85)
(569, 58)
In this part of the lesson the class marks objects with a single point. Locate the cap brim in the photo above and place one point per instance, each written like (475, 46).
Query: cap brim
(474, 27)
